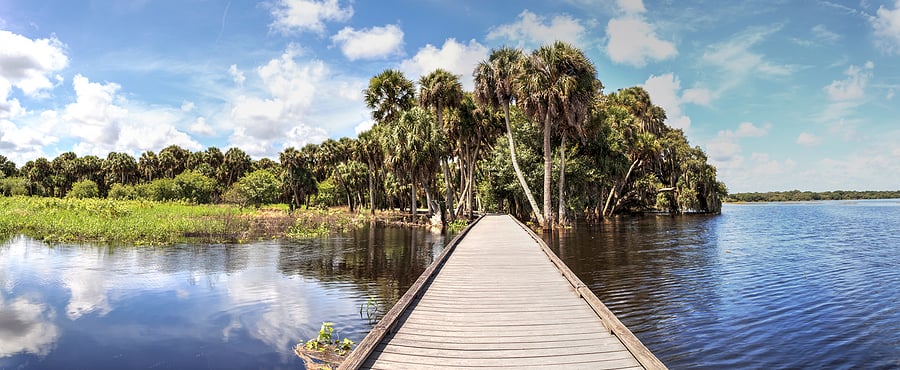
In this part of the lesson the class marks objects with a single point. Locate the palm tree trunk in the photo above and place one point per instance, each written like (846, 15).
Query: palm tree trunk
(562, 182)
(448, 193)
(515, 162)
(371, 190)
(617, 188)
(548, 178)
(412, 208)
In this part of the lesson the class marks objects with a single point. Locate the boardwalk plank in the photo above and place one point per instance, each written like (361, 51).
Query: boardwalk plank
(499, 299)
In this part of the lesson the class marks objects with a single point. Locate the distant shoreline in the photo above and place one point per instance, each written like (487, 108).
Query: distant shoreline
(809, 196)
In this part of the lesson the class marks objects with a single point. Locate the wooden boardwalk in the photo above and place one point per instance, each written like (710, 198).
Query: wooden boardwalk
(498, 297)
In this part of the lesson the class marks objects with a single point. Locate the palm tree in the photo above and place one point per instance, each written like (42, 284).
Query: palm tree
(148, 165)
(494, 86)
(370, 150)
(439, 90)
(388, 94)
(556, 88)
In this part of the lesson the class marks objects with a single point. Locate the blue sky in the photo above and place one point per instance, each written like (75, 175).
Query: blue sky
(780, 94)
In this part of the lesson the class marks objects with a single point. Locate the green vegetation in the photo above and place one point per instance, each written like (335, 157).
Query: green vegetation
(800, 196)
(327, 348)
(133, 221)
(535, 120)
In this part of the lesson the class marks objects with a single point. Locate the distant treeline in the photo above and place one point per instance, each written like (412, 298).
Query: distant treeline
(800, 196)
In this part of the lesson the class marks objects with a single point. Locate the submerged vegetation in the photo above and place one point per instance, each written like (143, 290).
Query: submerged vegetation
(536, 120)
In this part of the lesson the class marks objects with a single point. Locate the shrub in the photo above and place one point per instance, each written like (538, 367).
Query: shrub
(195, 187)
(121, 192)
(258, 187)
(12, 186)
(162, 190)
(84, 189)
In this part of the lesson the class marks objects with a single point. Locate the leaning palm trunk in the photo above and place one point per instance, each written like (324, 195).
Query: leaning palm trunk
(449, 192)
(519, 175)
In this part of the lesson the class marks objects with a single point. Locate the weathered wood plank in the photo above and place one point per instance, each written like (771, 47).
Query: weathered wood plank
(498, 297)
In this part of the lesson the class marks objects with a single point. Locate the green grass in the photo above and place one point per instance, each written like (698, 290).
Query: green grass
(100, 220)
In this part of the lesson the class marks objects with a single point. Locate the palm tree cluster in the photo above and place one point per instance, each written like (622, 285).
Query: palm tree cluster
(459, 151)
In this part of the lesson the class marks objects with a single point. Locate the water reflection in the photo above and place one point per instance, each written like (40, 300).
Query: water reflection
(810, 285)
(186, 306)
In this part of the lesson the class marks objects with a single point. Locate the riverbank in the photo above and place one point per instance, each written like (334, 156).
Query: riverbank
(56, 220)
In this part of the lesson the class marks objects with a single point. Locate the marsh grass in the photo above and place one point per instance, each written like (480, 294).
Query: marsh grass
(135, 221)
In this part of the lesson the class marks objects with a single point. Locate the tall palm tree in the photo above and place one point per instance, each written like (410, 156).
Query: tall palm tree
(556, 88)
(388, 94)
(494, 86)
(439, 90)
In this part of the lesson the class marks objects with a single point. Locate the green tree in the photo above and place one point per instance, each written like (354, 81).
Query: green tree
(7, 168)
(389, 93)
(149, 166)
(258, 188)
(556, 88)
(235, 163)
(195, 187)
(173, 160)
(119, 168)
(296, 176)
(440, 90)
(495, 87)
(84, 189)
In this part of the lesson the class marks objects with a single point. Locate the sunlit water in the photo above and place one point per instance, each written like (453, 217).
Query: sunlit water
(188, 306)
(811, 285)
(764, 286)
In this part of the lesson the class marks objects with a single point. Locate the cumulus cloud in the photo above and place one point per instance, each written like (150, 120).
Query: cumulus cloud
(807, 139)
(307, 15)
(532, 30)
(370, 43)
(886, 24)
(200, 127)
(301, 102)
(853, 87)
(458, 58)
(633, 41)
(29, 66)
(102, 122)
(665, 91)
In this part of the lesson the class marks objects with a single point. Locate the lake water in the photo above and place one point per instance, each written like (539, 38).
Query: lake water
(803, 285)
(196, 307)
(762, 286)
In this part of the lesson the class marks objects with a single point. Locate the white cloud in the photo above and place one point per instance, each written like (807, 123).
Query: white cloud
(822, 33)
(236, 75)
(200, 127)
(27, 65)
(102, 122)
(807, 139)
(307, 15)
(631, 6)
(886, 24)
(633, 41)
(363, 126)
(738, 61)
(724, 150)
(890, 94)
(370, 43)
(697, 95)
(187, 106)
(664, 91)
(532, 30)
(302, 101)
(459, 59)
(853, 87)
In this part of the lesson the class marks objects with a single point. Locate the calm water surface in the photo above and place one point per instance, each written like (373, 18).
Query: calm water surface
(763, 286)
(188, 306)
(811, 285)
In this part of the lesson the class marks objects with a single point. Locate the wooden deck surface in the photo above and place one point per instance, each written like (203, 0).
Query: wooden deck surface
(497, 299)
